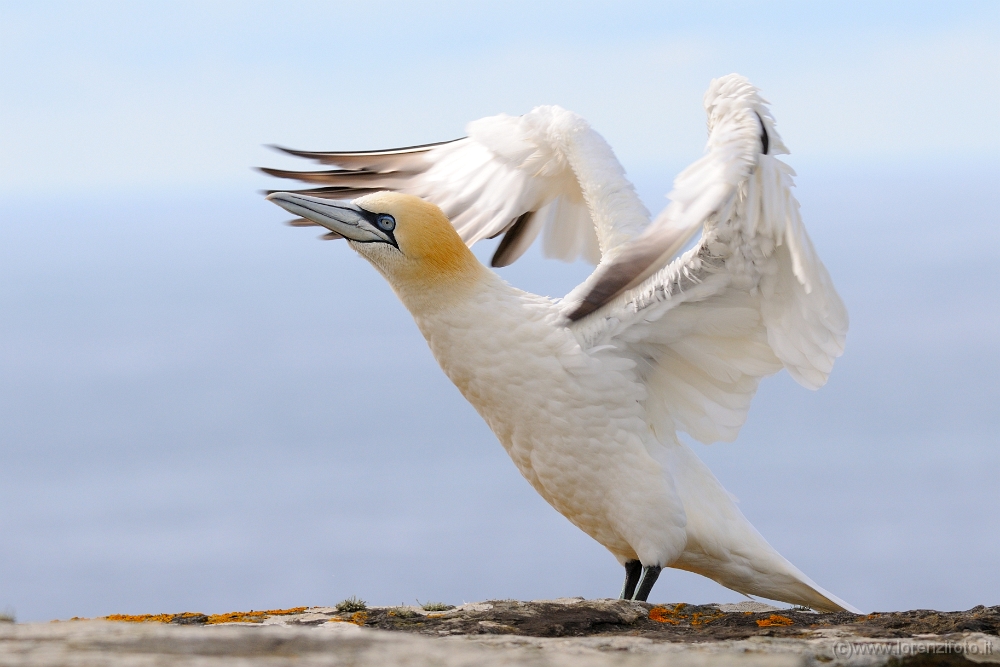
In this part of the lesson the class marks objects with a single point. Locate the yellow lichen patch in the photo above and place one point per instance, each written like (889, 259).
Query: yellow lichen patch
(214, 619)
(697, 618)
(285, 612)
(251, 616)
(774, 620)
(237, 617)
(357, 618)
(144, 618)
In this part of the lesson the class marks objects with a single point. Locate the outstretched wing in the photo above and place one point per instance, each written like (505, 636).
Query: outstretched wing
(546, 172)
(750, 298)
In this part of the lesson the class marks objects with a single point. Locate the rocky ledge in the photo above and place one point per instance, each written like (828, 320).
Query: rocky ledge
(570, 631)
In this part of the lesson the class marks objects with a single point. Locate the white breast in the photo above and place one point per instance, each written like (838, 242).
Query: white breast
(572, 421)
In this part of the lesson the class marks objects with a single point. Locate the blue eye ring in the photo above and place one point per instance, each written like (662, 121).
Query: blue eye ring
(385, 222)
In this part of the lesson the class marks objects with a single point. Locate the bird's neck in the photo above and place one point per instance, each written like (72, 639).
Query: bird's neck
(430, 294)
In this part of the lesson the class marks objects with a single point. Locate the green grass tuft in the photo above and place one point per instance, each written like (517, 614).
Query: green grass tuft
(352, 604)
(402, 612)
(435, 606)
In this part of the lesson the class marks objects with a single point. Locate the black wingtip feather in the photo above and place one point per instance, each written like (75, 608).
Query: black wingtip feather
(764, 139)
(329, 193)
(504, 255)
(318, 155)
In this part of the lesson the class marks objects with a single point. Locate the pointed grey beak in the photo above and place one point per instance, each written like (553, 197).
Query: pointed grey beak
(341, 217)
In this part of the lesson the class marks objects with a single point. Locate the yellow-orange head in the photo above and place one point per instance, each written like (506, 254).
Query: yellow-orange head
(410, 241)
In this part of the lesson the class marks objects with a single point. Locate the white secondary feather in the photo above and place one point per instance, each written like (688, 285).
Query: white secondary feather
(548, 161)
(589, 409)
(750, 298)
(548, 165)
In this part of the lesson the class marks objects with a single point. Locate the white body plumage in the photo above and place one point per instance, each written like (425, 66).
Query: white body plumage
(587, 393)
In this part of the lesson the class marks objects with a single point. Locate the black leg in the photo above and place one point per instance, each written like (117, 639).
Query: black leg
(649, 575)
(633, 569)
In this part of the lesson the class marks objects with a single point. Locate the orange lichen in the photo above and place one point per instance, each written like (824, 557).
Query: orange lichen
(697, 618)
(251, 616)
(144, 618)
(659, 614)
(675, 616)
(237, 617)
(214, 619)
(774, 620)
(285, 612)
(357, 618)
(664, 615)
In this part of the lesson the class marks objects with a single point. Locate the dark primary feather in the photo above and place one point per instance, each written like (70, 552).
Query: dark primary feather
(362, 159)
(508, 251)
(361, 173)
(302, 222)
(342, 177)
(640, 259)
(333, 157)
(340, 183)
(764, 139)
(405, 169)
(329, 193)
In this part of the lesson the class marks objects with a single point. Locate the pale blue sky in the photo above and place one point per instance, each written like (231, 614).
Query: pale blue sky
(192, 396)
(186, 93)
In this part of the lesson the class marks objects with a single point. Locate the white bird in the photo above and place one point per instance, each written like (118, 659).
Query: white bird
(587, 393)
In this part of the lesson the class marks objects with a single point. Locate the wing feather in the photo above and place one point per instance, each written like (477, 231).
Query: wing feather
(750, 298)
(545, 173)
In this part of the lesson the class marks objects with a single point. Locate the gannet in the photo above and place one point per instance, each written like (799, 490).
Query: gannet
(588, 393)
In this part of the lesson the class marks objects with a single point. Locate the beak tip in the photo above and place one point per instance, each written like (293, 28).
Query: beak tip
(343, 219)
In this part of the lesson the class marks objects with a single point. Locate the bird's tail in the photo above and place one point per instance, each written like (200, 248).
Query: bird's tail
(774, 578)
(722, 545)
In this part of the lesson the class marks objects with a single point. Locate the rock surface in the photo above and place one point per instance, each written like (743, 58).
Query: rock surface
(545, 633)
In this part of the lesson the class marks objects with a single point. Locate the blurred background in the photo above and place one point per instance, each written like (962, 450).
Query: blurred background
(204, 410)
